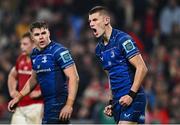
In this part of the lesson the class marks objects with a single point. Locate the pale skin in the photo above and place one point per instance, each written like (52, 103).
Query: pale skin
(100, 24)
(41, 38)
(12, 85)
(26, 47)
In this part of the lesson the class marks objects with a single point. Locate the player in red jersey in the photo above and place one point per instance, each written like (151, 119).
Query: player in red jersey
(29, 109)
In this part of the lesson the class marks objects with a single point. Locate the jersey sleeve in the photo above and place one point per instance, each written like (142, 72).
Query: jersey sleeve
(63, 57)
(128, 46)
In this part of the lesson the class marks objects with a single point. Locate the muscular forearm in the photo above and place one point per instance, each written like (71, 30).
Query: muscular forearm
(29, 86)
(12, 82)
(72, 75)
(72, 90)
(141, 72)
(110, 91)
(12, 86)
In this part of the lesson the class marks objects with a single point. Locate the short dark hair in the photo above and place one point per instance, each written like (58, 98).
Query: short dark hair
(38, 24)
(100, 9)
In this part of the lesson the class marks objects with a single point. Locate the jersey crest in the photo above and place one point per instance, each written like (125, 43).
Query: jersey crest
(44, 59)
(65, 56)
(128, 46)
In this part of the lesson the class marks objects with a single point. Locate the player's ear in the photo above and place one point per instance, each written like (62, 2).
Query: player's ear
(107, 20)
(48, 32)
(32, 38)
(31, 35)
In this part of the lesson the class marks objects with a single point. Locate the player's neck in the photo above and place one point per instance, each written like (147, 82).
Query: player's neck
(107, 35)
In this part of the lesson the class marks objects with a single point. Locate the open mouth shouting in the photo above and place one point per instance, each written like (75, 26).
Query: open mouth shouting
(95, 31)
(42, 43)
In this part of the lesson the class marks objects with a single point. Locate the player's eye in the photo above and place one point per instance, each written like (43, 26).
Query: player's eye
(94, 19)
(36, 34)
(43, 33)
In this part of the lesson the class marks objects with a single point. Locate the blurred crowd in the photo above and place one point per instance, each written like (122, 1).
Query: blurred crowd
(154, 25)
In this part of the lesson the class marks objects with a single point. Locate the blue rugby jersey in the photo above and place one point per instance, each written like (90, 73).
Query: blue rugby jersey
(48, 65)
(114, 58)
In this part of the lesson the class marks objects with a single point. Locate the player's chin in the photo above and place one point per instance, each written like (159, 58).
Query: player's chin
(42, 46)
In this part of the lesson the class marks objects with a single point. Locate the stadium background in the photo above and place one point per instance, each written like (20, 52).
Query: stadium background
(154, 24)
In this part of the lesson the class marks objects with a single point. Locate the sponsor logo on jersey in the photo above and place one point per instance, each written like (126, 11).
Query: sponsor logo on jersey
(43, 70)
(127, 115)
(25, 72)
(22, 62)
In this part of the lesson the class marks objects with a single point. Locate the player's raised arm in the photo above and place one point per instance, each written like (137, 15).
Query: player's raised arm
(73, 77)
(12, 83)
(28, 87)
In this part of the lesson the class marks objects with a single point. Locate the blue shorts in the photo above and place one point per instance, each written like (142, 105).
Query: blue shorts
(52, 110)
(134, 112)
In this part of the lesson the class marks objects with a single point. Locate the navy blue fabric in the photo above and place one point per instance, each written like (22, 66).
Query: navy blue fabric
(49, 64)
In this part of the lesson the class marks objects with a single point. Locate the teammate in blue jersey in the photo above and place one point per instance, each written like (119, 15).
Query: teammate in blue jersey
(126, 69)
(55, 71)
